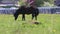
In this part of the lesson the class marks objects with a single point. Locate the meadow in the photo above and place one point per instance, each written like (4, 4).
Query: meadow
(49, 24)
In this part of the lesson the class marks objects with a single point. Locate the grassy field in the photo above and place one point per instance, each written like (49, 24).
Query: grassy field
(50, 24)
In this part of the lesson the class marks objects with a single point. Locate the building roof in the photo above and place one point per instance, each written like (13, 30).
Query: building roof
(8, 2)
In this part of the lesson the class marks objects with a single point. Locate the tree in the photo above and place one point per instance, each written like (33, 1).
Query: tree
(41, 2)
(22, 2)
(37, 2)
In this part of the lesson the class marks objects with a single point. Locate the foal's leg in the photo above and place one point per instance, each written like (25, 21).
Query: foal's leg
(16, 17)
(32, 16)
(35, 17)
(23, 17)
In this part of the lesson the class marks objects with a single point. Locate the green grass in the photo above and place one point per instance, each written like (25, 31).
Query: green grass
(50, 24)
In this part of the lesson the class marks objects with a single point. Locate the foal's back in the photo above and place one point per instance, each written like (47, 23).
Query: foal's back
(26, 10)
